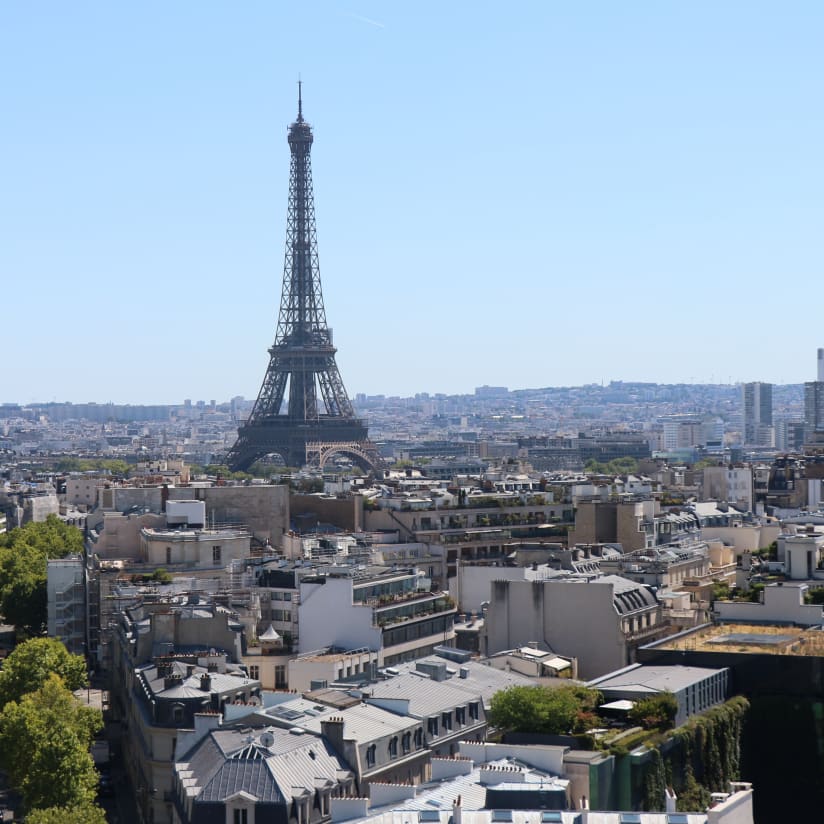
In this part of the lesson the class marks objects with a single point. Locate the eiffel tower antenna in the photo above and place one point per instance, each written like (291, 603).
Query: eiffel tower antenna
(302, 411)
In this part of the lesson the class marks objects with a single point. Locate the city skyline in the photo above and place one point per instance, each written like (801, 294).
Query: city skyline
(557, 197)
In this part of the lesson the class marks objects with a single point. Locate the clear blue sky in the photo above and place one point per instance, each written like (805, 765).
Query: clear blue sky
(525, 194)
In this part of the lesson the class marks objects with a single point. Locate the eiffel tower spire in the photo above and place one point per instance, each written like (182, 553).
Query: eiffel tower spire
(318, 419)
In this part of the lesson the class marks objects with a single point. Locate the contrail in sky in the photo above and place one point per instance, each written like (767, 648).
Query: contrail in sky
(371, 22)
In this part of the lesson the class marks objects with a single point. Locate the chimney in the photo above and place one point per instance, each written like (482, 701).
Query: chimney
(206, 682)
(456, 811)
(164, 496)
(190, 670)
(170, 681)
(332, 730)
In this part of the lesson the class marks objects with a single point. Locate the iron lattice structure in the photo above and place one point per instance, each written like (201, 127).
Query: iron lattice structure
(302, 411)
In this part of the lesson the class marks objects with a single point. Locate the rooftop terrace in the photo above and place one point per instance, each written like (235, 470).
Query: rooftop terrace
(748, 638)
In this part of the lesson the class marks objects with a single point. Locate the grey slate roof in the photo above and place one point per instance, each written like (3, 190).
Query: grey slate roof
(228, 761)
(365, 722)
(441, 794)
(189, 687)
(426, 697)
(481, 679)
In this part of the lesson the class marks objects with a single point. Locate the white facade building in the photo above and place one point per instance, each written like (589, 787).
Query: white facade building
(393, 614)
(66, 602)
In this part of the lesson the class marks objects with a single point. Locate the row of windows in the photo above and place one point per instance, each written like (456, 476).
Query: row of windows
(406, 742)
(216, 555)
(280, 675)
(353, 669)
(413, 632)
(445, 719)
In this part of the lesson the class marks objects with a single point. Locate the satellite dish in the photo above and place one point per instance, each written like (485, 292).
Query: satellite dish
(267, 739)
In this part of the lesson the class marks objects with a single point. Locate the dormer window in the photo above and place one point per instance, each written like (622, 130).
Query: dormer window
(393, 747)
(370, 755)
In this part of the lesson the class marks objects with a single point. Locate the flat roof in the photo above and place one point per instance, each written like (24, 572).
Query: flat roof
(774, 639)
(653, 678)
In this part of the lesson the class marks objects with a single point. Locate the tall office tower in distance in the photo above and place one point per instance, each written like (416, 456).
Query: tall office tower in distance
(317, 420)
(756, 414)
(814, 405)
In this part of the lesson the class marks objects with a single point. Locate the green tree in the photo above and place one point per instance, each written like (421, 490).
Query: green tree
(720, 591)
(223, 471)
(815, 596)
(23, 587)
(617, 466)
(655, 712)
(78, 814)
(113, 465)
(655, 783)
(30, 665)
(24, 553)
(550, 710)
(44, 747)
(52, 537)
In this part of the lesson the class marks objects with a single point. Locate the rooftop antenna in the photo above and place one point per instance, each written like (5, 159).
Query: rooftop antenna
(300, 100)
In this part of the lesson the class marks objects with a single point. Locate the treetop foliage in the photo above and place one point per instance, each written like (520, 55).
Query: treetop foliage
(30, 664)
(24, 553)
(44, 747)
(656, 712)
(113, 465)
(617, 466)
(52, 537)
(77, 814)
(550, 710)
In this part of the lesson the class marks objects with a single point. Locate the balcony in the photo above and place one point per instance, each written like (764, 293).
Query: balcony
(412, 608)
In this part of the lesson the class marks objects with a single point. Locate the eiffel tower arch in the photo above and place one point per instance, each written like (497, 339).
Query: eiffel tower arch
(364, 455)
(302, 399)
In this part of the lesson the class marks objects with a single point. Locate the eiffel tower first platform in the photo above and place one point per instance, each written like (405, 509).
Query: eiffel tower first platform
(318, 420)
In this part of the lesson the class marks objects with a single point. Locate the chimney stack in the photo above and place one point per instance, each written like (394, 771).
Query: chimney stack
(206, 682)
(332, 730)
(456, 811)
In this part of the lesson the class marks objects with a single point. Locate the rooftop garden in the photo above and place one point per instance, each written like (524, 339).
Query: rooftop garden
(697, 758)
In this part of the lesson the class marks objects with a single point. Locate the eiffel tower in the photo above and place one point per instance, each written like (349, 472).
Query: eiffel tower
(318, 420)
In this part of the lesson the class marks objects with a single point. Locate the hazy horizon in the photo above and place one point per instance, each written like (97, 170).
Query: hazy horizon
(420, 392)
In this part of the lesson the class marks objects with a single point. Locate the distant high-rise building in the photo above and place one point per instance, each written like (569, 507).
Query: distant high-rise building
(756, 413)
(814, 405)
(789, 434)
